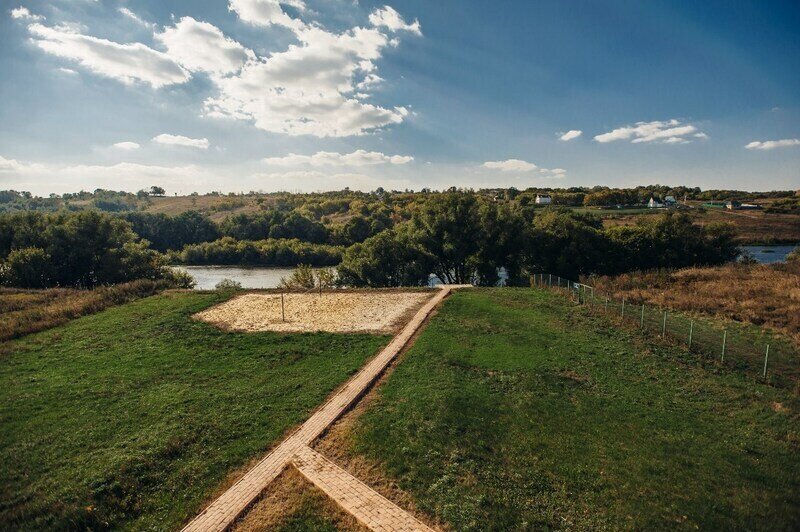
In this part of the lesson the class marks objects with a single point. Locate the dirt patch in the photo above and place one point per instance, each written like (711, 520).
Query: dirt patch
(339, 312)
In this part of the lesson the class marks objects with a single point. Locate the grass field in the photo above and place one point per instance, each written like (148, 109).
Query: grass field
(133, 417)
(517, 411)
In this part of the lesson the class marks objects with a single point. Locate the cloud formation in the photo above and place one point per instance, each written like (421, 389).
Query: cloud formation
(317, 86)
(22, 13)
(510, 165)
(267, 12)
(326, 158)
(519, 166)
(180, 140)
(571, 134)
(128, 146)
(127, 63)
(664, 132)
(136, 18)
(387, 17)
(200, 46)
(772, 144)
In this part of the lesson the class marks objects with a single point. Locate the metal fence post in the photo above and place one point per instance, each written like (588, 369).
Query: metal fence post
(605, 309)
(766, 359)
(283, 313)
(724, 341)
(664, 326)
(623, 308)
(691, 330)
(550, 280)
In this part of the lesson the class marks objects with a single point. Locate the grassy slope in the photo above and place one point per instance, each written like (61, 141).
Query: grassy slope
(514, 411)
(132, 417)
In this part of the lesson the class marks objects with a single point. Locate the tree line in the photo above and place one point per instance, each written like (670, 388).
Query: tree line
(461, 237)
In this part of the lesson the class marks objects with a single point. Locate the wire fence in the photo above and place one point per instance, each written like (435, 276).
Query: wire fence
(746, 348)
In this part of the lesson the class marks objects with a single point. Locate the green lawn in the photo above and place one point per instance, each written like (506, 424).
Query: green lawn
(517, 411)
(131, 418)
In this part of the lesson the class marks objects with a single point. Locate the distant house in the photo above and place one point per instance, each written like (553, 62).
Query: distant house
(543, 199)
(670, 201)
(735, 205)
(655, 204)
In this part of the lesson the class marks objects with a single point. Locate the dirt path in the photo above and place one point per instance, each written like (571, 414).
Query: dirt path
(221, 513)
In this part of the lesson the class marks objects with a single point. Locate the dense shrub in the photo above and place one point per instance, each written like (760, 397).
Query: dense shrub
(268, 252)
(83, 249)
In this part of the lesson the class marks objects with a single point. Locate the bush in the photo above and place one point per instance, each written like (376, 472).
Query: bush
(228, 285)
(260, 252)
(301, 277)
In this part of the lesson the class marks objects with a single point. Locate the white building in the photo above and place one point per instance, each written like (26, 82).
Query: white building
(543, 199)
(654, 204)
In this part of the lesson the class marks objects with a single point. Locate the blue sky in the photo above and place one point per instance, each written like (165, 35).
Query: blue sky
(303, 95)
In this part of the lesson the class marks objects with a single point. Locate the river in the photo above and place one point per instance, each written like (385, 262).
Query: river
(207, 277)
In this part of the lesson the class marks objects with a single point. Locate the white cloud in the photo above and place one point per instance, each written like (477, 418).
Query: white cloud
(571, 134)
(200, 46)
(267, 12)
(127, 63)
(390, 19)
(314, 180)
(510, 165)
(667, 132)
(324, 158)
(127, 145)
(701, 136)
(772, 144)
(22, 13)
(12, 166)
(67, 71)
(318, 86)
(180, 140)
(519, 166)
(309, 88)
(136, 18)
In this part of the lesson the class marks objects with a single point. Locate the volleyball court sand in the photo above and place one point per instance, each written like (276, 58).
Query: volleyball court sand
(340, 312)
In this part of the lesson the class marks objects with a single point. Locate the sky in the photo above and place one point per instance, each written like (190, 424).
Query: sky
(313, 95)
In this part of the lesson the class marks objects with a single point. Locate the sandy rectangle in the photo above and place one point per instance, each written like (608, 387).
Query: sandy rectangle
(340, 312)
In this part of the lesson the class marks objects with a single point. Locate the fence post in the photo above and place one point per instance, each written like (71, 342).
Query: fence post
(283, 314)
(641, 322)
(592, 303)
(691, 330)
(605, 309)
(623, 308)
(766, 359)
(664, 326)
(724, 341)
(550, 280)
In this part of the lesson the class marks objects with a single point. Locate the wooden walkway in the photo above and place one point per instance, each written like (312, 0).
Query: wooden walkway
(222, 512)
(365, 504)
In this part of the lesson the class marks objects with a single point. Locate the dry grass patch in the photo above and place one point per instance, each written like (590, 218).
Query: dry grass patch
(764, 295)
(292, 503)
(337, 312)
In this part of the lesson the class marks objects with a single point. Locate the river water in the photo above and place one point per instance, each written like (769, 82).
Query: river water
(207, 277)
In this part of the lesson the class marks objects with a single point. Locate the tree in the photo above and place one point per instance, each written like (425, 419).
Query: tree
(569, 244)
(390, 258)
(157, 191)
(27, 268)
(448, 228)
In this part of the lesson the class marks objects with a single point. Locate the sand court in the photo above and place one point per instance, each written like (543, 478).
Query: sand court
(340, 312)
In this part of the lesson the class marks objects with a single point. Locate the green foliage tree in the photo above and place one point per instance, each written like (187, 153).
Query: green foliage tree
(390, 258)
(27, 268)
